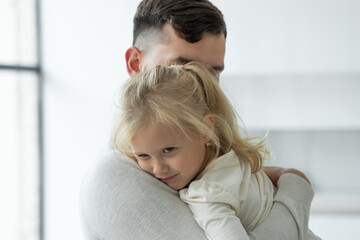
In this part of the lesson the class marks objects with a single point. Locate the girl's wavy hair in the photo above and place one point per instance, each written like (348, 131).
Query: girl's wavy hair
(180, 96)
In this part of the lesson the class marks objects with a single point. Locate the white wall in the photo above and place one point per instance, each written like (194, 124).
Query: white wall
(83, 57)
(296, 102)
(301, 58)
(84, 42)
(292, 37)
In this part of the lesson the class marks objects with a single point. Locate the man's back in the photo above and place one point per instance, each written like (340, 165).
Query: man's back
(120, 201)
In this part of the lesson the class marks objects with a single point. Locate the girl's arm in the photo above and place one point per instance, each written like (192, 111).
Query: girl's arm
(217, 204)
(221, 224)
(274, 173)
(288, 218)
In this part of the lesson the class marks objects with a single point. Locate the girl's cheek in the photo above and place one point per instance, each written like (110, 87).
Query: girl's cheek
(145, 167)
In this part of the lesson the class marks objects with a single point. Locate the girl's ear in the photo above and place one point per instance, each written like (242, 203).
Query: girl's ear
(209, 121)
(133, 57)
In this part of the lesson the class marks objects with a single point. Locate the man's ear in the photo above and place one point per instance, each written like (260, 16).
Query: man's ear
(133, 57)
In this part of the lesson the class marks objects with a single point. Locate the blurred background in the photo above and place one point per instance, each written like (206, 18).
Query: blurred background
(292, 69)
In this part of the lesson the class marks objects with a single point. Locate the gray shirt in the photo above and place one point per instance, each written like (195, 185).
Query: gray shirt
(119, 201)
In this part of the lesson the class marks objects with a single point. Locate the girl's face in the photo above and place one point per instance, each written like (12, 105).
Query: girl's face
(169, 155)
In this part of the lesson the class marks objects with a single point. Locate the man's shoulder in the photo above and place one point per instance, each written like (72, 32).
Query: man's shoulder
(111, 161)
(120, 201)
(111, 167)
(114, 172)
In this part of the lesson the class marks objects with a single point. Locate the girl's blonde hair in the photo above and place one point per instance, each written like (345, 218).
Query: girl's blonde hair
(179, 96)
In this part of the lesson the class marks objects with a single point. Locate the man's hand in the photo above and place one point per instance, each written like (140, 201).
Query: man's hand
(274, 173)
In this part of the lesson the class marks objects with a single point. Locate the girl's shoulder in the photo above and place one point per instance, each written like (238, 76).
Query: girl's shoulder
(226, 168)
(222, 164)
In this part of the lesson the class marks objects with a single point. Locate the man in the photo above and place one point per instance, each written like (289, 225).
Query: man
(119, 200)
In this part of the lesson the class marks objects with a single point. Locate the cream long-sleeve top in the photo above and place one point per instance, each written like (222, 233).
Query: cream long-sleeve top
(227, 200)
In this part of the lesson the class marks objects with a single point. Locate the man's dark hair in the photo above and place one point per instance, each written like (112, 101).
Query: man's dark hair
(190, 19)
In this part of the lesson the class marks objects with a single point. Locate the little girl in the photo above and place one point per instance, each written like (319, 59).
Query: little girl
(178, 125)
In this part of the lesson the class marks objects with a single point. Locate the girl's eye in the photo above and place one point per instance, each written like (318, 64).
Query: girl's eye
(169, 149)
(142, 156)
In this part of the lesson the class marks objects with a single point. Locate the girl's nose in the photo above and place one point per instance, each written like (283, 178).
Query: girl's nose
(160, 168)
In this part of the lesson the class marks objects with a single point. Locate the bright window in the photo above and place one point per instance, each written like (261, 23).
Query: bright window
(19, 122)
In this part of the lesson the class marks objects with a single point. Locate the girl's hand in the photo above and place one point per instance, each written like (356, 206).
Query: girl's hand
(274, 173)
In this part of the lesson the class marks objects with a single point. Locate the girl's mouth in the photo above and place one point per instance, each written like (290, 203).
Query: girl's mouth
(168, 179)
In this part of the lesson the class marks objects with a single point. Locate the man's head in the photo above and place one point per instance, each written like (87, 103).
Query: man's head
(175, 32)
